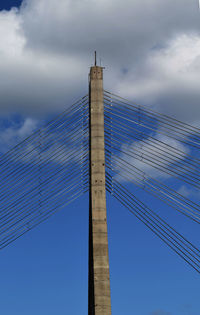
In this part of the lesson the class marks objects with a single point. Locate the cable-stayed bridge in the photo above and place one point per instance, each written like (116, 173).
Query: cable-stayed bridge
(102, 142)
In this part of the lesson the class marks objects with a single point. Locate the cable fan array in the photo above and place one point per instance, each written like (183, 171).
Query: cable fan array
(50, 169)
(142, 145)
(44, 173)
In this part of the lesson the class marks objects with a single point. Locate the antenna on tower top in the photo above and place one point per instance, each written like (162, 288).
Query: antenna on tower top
(95, 58)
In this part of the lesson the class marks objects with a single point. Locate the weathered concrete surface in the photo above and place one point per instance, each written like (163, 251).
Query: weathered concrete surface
(99, 279)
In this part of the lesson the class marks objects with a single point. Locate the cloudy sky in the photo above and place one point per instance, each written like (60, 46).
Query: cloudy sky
(150, 48)
(151, 53)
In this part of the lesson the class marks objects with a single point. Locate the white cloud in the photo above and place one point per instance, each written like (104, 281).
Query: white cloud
(170, 77)
(150, 49)
(139, 153)
(188, 192)
(184, 191)
(48, 145)
(12, 41)
(16, 132)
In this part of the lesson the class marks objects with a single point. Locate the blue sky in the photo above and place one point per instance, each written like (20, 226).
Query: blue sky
(45, 62)
(7, 5)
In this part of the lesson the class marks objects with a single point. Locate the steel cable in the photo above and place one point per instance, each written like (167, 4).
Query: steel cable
(144, 215)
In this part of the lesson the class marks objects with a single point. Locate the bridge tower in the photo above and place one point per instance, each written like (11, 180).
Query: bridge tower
(99, 301)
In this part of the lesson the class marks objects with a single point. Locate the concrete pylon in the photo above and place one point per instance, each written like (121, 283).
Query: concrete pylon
(99, 277)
